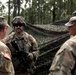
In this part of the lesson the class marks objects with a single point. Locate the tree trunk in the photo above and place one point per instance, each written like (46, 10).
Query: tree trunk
(54, 15)
(18, 4)
(9, 12)
(15, 8)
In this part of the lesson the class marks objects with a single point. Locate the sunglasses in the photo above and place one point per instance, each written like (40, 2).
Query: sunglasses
(16, 25)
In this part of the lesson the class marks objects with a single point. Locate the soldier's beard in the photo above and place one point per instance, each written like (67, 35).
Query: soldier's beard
(19, 30)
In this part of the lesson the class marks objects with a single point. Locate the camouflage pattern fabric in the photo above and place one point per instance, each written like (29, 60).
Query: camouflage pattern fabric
(65, 59)
(6, 67)
(28, 43)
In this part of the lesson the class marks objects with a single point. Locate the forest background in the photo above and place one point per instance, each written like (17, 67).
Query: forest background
(38, 11)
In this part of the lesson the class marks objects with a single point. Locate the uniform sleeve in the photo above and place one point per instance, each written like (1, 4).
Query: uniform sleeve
(34, 47)
(63, 63)
(6, 66)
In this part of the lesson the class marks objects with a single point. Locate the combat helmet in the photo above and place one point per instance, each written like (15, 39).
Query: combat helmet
(18, 20)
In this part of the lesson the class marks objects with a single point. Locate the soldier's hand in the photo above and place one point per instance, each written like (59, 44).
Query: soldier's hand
(30, 57)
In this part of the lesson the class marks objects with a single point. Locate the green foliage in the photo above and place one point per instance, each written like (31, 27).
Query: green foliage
(41, 11)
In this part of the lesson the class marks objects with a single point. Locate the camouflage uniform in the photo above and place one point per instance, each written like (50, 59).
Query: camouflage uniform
(26, 43)
(6, 66)
(65, 59)
(64, 62)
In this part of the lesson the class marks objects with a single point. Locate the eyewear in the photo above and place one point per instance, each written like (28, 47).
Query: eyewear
(16, 25)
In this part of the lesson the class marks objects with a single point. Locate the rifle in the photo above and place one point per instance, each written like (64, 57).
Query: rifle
(22, 56)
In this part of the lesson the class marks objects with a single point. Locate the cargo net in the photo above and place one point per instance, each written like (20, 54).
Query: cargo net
(50, 38)
(45, 33)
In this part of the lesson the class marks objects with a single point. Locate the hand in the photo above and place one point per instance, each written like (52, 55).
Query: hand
(30, 57)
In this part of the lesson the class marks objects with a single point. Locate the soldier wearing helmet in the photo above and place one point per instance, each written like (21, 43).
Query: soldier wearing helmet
(24, 47)
(6, 66)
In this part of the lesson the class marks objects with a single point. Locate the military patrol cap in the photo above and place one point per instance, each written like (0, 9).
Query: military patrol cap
(18, 20)
(3, 21)
(71, 22)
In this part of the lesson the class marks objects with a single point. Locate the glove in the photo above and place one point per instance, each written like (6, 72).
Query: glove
(30, 57)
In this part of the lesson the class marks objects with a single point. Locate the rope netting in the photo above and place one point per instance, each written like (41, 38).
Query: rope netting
(49, 38)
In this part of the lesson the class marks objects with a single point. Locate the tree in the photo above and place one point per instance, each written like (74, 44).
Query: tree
(40, 11)
(2, 8)
(9, 13)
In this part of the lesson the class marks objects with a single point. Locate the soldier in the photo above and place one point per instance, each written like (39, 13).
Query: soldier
(6, 66)
(23, 46)
(65, 59)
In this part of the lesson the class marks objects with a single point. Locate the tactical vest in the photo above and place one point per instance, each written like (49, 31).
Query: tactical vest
(13, 51)
(11, 37)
